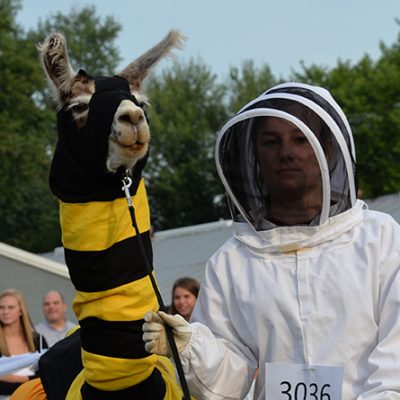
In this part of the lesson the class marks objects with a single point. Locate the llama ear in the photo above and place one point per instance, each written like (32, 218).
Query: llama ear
(82, 73)
(55, 62)
(137, 70)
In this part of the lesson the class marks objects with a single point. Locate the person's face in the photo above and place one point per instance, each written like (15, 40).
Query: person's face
(53, 308)
(287, 161)
(10, 310)
(184, 302)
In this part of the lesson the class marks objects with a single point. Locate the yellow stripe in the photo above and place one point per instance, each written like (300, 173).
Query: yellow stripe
(173, 390)
(124, 303)
(98, 225)
(108, 373)
(74, 392)
(72, 330)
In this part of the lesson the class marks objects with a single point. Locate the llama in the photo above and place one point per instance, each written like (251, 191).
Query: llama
(102, 135)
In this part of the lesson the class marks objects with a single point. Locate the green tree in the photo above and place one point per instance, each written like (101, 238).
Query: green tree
(369, 93)
(28, 211)
(246, 83)
(187, 110)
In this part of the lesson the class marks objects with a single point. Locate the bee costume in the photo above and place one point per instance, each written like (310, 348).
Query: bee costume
(107, 269)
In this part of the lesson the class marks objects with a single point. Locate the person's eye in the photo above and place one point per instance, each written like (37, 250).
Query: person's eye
(268, 141)
(300, 139)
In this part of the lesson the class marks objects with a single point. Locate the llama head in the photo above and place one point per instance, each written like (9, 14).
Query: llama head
(102, 119)
(102, 126)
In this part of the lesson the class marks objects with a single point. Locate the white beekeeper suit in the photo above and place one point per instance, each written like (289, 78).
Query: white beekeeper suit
(325, 293)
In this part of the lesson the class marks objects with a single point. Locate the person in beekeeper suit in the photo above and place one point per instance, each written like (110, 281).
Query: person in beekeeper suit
(308, 287)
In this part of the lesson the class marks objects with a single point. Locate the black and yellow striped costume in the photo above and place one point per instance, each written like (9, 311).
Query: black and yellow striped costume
(106, 267)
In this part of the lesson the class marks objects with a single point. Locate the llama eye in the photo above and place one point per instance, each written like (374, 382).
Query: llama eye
(79, 108)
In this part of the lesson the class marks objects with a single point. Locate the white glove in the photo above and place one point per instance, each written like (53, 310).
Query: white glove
(155, 335)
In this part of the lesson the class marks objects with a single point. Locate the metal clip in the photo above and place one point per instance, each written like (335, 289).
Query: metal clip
(127, 182)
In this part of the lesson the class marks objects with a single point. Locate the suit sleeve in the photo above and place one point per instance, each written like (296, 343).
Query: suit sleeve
(217, 364)
(384, 360)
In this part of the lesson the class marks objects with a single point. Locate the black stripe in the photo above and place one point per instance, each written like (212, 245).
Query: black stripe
(60, 365)
(153, 388)
(120, 339)
(94, 271)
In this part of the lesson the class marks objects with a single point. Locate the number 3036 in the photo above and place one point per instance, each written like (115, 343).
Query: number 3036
(303, 391)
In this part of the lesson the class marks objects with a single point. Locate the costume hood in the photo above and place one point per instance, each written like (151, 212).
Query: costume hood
(78, 171)
(311, 109)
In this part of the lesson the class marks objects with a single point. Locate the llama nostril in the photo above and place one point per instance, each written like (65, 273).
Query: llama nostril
(125, 118)
(130, 115)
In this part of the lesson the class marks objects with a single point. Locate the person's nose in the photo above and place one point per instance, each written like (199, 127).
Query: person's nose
(286, 150)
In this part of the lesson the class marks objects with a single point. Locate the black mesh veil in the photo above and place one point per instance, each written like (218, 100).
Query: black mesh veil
(248, 176)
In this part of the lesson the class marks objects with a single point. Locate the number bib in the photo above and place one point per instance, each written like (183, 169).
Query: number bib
(302, 382)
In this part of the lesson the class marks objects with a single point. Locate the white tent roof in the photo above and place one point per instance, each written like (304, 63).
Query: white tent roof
(54, 266)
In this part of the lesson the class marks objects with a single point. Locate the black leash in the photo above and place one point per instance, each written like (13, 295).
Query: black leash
(127, 181)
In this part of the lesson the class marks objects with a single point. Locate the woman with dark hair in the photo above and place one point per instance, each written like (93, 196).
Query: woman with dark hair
(184, 296)
(308, 288)
(17, 336)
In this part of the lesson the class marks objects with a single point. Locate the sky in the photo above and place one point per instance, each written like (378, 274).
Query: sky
(224, 33)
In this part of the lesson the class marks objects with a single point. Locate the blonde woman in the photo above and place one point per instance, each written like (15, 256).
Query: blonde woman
(17, 336)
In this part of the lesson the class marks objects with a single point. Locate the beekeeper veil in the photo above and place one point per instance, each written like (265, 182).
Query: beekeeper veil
(314, 113)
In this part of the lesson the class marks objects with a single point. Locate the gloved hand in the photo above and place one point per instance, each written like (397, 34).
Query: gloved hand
(155, 335)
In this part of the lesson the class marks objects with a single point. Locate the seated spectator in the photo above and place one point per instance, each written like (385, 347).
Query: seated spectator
(184, 296)
(17, 336)
(58, 368)
(55, 326)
